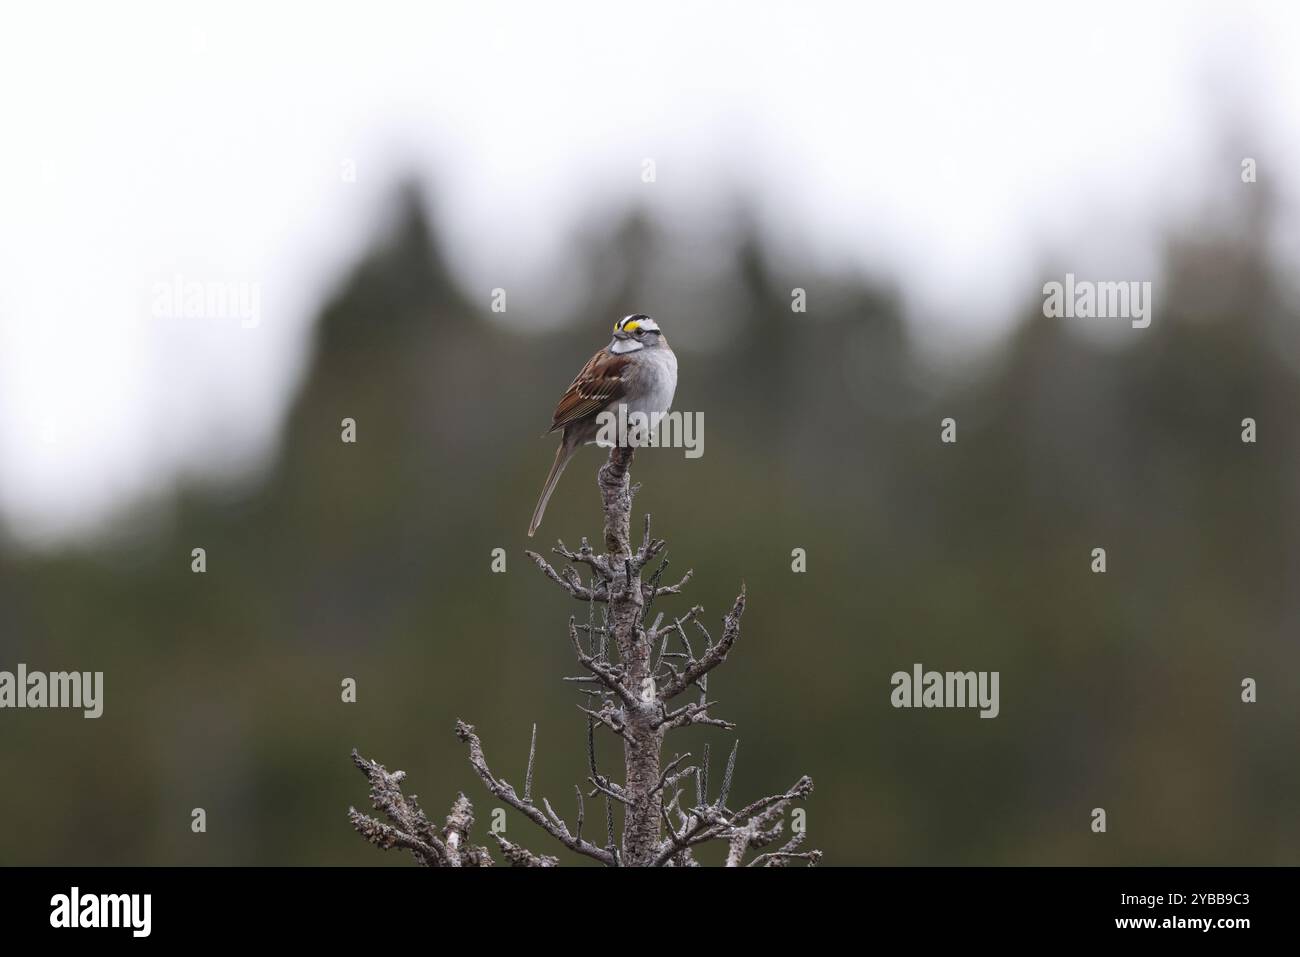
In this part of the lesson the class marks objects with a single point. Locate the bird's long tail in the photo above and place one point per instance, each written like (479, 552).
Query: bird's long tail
(562, 456)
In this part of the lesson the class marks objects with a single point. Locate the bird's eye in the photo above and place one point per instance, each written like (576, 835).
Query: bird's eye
(640, 333)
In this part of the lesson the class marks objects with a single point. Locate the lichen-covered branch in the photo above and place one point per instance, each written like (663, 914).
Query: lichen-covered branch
(714, 656)
(631, 676)
(754, 826)
(410, 829)
(503, 792)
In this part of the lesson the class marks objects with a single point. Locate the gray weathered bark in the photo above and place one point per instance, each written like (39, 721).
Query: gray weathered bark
(642, 733)
(630, 696)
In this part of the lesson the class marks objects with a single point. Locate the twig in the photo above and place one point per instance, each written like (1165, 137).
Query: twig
(713, 657)
(628, 687)
(528, 778)
(505, 793)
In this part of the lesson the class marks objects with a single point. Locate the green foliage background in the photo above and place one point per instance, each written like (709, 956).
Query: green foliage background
(822, 431)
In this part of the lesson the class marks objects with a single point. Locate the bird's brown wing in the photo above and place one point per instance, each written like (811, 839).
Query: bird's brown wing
(601, 382)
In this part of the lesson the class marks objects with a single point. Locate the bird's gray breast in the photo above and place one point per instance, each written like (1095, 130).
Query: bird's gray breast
(655, 382)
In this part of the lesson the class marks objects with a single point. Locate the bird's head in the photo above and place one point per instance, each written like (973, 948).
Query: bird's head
(635, 332)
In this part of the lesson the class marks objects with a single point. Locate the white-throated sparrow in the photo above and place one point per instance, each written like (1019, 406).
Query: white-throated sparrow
(637, 370)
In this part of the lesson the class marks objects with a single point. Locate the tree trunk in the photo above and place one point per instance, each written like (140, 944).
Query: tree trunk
(642, 737)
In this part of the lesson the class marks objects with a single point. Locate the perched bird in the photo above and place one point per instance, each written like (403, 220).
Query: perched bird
(637, 370)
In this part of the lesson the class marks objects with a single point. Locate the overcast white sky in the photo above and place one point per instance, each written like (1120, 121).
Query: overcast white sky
(950, 145)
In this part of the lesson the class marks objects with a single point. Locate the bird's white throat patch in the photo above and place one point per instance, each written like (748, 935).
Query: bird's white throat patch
(621, 346)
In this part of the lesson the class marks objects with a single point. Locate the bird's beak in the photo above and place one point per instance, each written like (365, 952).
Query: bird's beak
(621, 335)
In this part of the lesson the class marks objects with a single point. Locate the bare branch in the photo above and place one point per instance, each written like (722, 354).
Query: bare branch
(715, 655)
(790, 852)
(386, 837)
(668, 776)
(602, 672)
(608, 717)
(608, 788)
(609, 825)
(627, 688)
(585, 556)
(572, 584)
(755, 825)
(802, 788)
(410, 829)
(505, 793)
(726, 776)
(779, 858)
(520, 856)
(671, 589)
(695, 713)
(654, 590)
(528, 777)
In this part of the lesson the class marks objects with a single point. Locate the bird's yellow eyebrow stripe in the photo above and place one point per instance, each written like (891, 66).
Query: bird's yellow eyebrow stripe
(632, 326)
